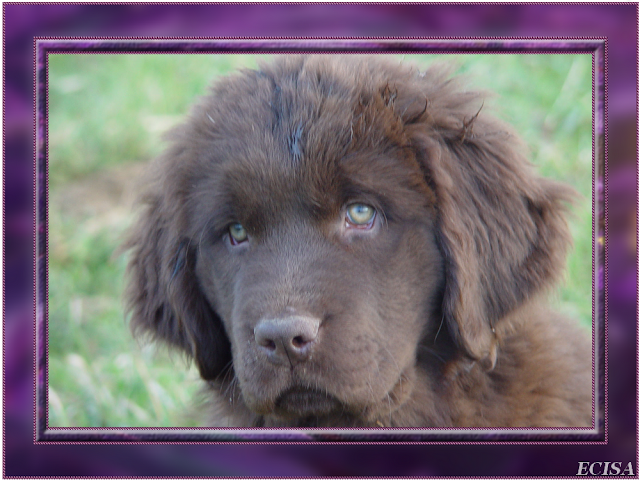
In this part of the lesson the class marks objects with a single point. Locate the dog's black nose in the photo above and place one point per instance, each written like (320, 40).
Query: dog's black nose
(287, 339)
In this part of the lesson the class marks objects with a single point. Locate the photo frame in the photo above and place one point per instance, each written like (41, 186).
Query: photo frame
(47, 47)
(27, 453)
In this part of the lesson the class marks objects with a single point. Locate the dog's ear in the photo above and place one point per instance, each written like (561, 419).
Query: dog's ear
(501, 227)
(162, 295)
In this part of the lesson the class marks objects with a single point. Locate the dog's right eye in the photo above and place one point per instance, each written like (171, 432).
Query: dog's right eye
(360, 215)
(237, 234)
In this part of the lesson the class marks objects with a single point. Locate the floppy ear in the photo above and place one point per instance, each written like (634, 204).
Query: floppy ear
(162, 294)
(501, 227)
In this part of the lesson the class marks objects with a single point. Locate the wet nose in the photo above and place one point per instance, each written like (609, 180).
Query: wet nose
(287, 339)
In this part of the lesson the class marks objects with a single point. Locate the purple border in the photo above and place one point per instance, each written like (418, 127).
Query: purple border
(618, 23)
(387, 436)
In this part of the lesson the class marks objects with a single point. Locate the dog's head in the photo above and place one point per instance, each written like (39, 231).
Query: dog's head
(315, 221)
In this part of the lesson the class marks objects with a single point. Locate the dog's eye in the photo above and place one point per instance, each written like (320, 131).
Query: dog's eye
(360, 215)
(237, 233)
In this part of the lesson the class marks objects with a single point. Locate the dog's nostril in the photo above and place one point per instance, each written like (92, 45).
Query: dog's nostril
(268, 344)
(298, 342)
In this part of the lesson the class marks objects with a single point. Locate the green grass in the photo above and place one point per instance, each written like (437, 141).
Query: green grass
(109, 109)
(106, 118)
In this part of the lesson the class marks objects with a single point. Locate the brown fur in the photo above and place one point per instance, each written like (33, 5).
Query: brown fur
(432, 317)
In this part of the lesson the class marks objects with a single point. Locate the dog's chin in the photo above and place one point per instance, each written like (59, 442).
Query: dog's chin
(302, 402)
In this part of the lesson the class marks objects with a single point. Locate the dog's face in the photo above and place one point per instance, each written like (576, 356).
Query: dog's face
(322, 267)
(317, 223)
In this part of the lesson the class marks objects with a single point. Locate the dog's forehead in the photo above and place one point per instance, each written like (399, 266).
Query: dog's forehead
(301, 118)
(308, 105)
(302, 136)
(312, 160)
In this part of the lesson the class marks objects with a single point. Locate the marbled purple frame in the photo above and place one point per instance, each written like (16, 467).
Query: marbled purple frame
(595, 47)
(24, 457)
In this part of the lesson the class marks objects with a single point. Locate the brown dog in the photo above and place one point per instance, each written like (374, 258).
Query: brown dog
(351, 242)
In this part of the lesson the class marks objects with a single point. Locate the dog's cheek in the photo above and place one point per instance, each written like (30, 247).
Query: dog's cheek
(411, 299)
(381, 312)
(217, 276)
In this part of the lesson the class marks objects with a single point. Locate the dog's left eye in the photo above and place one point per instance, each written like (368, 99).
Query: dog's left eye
(237, 233)
(360, 215)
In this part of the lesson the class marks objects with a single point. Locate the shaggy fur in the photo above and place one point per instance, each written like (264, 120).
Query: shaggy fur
(431, 314)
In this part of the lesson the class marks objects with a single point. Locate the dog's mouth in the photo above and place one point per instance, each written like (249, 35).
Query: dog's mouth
(303, 402)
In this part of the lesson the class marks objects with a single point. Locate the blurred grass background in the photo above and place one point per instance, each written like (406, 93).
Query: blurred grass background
(106, 117)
